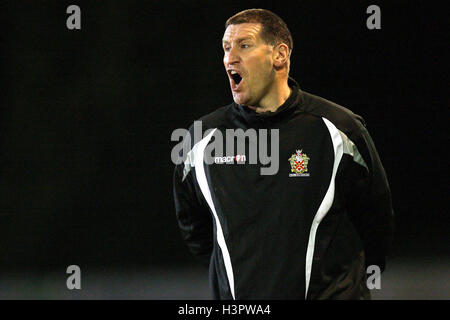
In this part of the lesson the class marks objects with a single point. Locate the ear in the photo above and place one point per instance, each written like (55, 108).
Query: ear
(280, 55)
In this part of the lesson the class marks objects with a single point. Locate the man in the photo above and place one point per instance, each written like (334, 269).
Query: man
(309, 230)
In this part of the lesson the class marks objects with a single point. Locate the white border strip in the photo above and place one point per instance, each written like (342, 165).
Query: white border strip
(199, 150)
(326, 202)
(351, 149)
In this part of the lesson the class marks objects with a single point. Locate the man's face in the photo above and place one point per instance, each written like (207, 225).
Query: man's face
(249, 63)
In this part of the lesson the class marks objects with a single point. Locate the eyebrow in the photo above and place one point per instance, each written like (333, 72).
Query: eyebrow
(238, 40)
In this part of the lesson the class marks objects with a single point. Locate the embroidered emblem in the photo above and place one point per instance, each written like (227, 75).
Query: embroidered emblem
(299, 164)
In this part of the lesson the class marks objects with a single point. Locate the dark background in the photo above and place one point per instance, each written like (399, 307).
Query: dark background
(87, 116)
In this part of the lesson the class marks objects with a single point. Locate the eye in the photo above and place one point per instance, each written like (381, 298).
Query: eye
(226, 48)
(245, 46)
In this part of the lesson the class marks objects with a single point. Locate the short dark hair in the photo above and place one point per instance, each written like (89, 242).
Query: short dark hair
(274, 29)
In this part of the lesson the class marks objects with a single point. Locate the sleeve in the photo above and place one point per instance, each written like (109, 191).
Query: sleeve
(194, 218)
(368, 197)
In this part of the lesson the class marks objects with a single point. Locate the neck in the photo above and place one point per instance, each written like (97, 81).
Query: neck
(277, 95)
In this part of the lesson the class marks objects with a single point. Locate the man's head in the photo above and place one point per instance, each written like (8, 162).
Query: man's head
(257, 45)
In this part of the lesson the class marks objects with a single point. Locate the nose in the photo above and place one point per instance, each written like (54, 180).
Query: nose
(231, 57)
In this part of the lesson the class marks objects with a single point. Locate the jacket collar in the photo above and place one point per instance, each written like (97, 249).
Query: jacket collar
(284, 110)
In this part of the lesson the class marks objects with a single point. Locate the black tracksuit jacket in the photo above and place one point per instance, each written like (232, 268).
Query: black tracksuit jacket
(305, 234)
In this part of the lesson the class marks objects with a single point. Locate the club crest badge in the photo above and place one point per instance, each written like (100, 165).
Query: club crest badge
(299, 164)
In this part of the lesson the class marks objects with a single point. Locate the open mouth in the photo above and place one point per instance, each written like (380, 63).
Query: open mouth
(235, 76)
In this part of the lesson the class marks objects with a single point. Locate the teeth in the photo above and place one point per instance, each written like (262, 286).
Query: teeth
(233, 72)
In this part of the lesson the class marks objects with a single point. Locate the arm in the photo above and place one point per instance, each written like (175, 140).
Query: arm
(194, 219)
(369, 200)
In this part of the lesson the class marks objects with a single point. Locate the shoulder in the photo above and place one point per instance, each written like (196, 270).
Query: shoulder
(214, 119)
(343, 118)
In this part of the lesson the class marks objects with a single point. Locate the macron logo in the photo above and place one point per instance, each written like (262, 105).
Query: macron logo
(240, 158)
